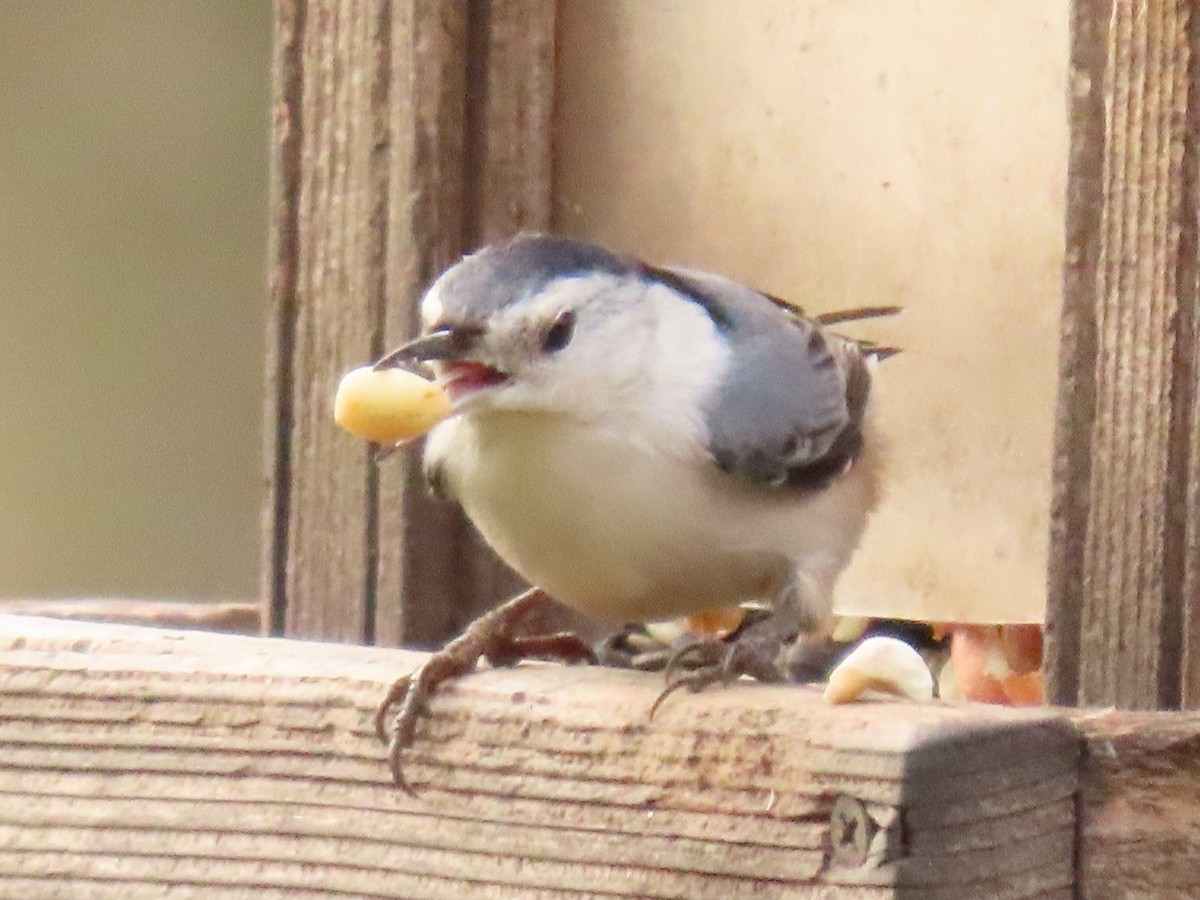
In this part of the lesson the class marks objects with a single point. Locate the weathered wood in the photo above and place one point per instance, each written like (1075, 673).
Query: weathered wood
(508, 176)
(1185, 525)
(471, 150)
(419, 565)
(282, 266)
(325, 258)
(230, 618)
(406, 131)
(133, 759)
(1139, 829)
(1124, 558)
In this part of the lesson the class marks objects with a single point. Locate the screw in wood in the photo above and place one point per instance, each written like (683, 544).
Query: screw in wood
(851, 830)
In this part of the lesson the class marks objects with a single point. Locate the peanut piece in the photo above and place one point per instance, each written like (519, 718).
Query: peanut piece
(388, 406)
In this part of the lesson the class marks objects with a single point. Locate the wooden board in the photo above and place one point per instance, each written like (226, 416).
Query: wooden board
(1139, 829)
(404, 133)
(1125, 553)
(223, 766)
(228, 617)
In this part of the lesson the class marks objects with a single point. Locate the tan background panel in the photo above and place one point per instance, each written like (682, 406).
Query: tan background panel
(133, 226)
(866, 151)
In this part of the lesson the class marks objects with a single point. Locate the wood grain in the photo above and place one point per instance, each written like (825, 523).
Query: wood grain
(1185, 523)
(405, 132)
(419, 565)
(471, 124)
(326, 256)
(1139, 834)
(223, 766)
(1123, 533)
(282, 267)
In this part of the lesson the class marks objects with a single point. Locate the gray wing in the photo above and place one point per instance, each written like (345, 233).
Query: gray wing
(790, 410)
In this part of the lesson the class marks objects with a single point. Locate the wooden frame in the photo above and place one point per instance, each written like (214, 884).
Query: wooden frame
(223, 765)
(1123, 620)
(133, 758)
(374, 192)
(407, 131)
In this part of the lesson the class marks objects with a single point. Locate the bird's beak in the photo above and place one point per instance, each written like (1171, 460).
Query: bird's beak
(459, 375)
(443, 344)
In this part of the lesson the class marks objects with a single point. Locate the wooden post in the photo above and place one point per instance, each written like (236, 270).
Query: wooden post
(1124, 608)
(405, 132)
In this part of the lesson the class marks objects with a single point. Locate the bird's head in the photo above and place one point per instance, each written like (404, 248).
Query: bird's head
(549, 325)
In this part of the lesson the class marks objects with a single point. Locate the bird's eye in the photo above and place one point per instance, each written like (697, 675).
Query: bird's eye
(558, 335)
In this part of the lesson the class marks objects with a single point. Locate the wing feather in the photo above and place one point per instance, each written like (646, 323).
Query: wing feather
(790, 409)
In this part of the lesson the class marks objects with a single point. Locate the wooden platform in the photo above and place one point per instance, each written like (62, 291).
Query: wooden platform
(139, 762)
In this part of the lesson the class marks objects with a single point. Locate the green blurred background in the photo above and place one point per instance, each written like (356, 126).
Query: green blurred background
(133, 181)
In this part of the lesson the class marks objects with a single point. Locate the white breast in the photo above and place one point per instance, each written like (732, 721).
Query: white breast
(613, 525)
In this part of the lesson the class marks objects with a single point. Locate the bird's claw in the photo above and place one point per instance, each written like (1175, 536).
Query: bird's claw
(488, 637)
(700, 664)
(634, 648)
(412, 692)
(404, 724)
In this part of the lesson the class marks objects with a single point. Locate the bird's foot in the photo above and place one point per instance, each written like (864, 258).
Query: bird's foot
(634, 648)
(652, 648)
(753, 650)
(810, 658)
(489, 637)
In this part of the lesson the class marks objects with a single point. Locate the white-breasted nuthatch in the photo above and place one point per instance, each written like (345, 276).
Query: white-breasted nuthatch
(643, 443)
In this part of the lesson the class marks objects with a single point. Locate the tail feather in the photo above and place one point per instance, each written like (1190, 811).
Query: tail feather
(856, 314)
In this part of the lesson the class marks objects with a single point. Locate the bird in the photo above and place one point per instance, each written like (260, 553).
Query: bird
(641, 442)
